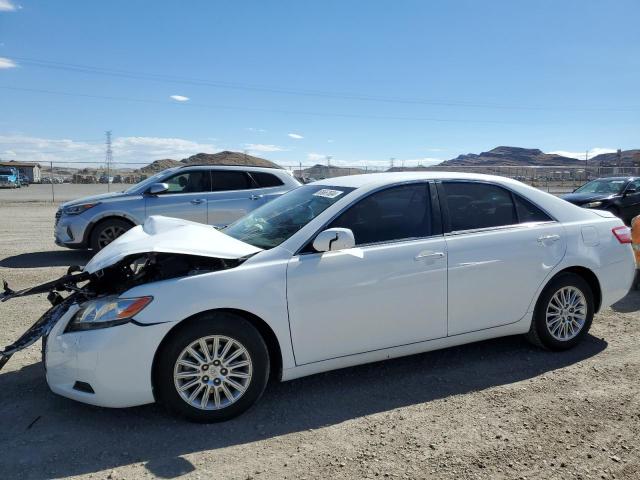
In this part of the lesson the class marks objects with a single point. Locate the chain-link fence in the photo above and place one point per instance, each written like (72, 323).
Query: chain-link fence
(552, 179)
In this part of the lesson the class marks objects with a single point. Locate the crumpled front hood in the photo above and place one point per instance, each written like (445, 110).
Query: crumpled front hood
(171, 235)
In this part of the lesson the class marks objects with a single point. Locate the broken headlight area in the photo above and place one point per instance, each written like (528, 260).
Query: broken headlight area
(97, 294)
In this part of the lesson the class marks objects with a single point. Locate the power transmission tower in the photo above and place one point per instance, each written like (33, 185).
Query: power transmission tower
(108, 158)
(329, 157)
(392, 161)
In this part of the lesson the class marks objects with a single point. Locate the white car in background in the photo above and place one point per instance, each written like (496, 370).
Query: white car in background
(332, 274)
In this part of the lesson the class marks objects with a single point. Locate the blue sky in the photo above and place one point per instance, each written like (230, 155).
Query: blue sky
(362, 81)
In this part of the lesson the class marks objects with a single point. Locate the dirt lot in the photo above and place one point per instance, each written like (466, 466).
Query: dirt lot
(497, 409)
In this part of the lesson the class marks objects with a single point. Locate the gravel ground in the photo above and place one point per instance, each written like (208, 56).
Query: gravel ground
(496, 409)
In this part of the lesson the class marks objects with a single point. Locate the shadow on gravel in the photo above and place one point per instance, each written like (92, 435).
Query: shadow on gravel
(54, 258)
(630, 303)
(73, 439)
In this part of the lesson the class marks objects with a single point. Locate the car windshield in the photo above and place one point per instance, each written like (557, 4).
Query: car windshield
(273, 223)
(153, 179)
(603, 186)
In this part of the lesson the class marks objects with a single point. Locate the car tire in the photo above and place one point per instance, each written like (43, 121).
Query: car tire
(561, 324)
(185, 388)
(107, 231)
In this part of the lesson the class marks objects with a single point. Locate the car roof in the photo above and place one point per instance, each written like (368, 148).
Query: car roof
(244, 168)
(379, 179)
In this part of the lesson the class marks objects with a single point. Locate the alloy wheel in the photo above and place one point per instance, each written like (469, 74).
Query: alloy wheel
(566, 313)
(109, 234)
(212, 372)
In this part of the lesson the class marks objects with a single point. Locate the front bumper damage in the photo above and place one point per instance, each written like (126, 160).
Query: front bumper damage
(45, 323)
(79, 286)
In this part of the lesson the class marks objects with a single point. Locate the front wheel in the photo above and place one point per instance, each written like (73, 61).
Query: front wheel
(212, 369)
(563, 314)
(106, 232)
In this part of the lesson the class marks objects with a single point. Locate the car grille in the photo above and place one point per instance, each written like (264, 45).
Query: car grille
(58, 215)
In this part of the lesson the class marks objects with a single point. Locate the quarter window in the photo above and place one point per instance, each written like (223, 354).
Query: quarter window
(230, 180)
(528, 212)
(396, 213)
(265, 180)
(189, 182)
(478, 205)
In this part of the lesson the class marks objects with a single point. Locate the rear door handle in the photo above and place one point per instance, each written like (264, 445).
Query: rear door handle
(429, 254)
(255, 197)
(198, 201)
(548, 238)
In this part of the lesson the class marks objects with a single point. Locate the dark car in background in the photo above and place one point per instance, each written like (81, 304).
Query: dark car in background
(619, 195)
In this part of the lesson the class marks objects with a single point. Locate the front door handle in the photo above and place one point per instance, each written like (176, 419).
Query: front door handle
(429, 254)
(255, 197)
(198, 201)
(548, 238)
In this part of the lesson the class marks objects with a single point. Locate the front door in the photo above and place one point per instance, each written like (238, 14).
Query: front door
(186, 197)
(389, 290)
(501, 248)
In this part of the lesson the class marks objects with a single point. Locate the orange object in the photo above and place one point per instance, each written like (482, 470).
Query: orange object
(635, 238)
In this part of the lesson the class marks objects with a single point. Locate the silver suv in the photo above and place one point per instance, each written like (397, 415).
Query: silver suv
(207, 194)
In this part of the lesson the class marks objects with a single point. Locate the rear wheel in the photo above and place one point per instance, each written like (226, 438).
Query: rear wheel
(213, 368)
(563, 314)
(107, 231)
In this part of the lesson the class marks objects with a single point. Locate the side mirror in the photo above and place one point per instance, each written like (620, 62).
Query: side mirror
(157, 188)
(334, 239)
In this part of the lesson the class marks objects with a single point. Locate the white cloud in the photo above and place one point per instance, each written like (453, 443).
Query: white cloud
(261, 147)
(137, 151)
(7, 6)
(580, 155)
(314, 157)
(330, 140)
(179, 98)
(257, 130)
(7, 62)
(295, 136)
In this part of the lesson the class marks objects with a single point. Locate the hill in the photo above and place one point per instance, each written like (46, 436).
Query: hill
(319, 172)
(221, 158)
(513, 156)
(629, 158)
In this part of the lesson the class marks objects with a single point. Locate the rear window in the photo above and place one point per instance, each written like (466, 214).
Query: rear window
(478, 205)
(265, 180)
(528, 212)
(230, 180)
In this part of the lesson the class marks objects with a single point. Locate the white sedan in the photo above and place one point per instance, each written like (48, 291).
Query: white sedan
(335, 273)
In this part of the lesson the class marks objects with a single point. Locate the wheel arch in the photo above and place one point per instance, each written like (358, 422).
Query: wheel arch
(267, 333)
(95, 223)
(589, 276)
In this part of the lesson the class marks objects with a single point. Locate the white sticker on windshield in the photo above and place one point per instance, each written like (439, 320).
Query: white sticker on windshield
(328, 193)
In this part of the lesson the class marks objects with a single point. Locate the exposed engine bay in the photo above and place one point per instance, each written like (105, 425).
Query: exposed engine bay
(78, 286)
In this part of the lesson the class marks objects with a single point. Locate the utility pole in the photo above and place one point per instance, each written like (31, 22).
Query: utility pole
(53, 193)
(329, 157)
(108, 158)
(586, 166)
(392, 161)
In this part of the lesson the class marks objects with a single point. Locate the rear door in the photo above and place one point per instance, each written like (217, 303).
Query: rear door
(234, 194)
(500, 247)
(186, 197)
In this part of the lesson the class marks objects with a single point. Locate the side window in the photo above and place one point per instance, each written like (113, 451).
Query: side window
(635, 185)
(528, 212)
(478, 205)
(189, 182)
(265, 180)
(230, 180)
(393, 214)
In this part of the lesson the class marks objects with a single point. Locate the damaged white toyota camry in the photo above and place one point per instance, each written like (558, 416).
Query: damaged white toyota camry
(335, 273)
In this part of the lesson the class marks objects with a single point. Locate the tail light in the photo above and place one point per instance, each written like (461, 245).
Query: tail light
(623, 234)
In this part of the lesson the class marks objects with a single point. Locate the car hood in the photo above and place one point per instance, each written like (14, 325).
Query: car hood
(171, 235)
(579, 198)
(94, 198)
